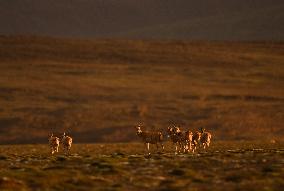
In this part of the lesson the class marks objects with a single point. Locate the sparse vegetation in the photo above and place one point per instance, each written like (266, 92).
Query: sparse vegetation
(225, 165)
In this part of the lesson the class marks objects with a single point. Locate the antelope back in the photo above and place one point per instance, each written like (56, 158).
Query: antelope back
(196, 136)
(67, 140)
(54, 141)
(205, 137)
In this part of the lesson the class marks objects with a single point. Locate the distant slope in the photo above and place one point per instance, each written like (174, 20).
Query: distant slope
(181, 19)
(98, 90)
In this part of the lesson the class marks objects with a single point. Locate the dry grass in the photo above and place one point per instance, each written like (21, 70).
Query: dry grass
(98, 90)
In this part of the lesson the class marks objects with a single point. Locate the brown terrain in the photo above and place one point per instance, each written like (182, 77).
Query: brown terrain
(223, 72)
(98, 90)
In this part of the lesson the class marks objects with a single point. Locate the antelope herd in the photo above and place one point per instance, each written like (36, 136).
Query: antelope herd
(183, 141)
(54, 142)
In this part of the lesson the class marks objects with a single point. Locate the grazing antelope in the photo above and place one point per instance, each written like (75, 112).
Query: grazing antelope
(66, 142)
(148, 138)
(205, 138)
(195, 140)
(53, 143)
(177, 138)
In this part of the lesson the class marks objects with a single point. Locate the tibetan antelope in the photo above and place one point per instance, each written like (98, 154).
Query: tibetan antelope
(205, 138)
(195, 140)
(154, 137)
(53, 143)
(66, 142)
(188, 141)
(184, 139)
(177, 138)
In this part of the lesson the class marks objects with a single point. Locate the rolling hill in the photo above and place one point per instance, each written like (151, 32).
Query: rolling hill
(98, 90)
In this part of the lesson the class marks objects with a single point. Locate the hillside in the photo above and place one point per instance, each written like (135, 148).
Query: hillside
(99, 90)
(159, 19)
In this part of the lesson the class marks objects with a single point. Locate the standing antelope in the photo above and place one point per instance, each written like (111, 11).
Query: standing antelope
(177, 138)
(155, 137)
(195, 140)
(182, 139)
(66, 142)
(53, 143)
(205, 138)
(188, 141)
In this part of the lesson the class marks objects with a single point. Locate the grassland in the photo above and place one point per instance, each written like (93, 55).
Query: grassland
(225, 166)
(97, 90)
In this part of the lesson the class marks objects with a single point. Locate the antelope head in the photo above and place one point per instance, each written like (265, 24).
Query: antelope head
(177, 130)
(170, 131)
(139, 131)
(50, 136)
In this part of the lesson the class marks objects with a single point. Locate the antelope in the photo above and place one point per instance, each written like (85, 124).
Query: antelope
(205, 138)
(177, 138)
(53, 143)
(155, 137)
(184, 139)
(66, 142)
(188, 136)
(195, 140)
